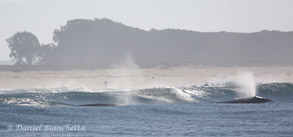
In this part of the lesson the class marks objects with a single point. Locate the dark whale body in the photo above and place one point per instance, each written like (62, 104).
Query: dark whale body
(51, 103)
(99, 105)
(255, 99)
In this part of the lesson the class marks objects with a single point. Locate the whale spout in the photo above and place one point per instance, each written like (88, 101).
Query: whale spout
(255, 99)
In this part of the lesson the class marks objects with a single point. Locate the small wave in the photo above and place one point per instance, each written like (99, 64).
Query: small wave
(28, 102)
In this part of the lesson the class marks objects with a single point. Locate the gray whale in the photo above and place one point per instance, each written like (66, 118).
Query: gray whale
(255, 99)
(98, 105)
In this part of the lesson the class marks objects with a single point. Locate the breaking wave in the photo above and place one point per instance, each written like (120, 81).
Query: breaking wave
(209, 93)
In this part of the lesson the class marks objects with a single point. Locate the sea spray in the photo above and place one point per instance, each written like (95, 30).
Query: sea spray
(132, 77)
(247, 86)
(126, 74)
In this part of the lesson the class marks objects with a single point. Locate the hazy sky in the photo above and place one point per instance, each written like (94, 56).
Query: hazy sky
(41, 17)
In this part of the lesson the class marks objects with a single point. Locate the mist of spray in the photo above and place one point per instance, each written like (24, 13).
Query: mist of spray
(247, 85)
(129, 76)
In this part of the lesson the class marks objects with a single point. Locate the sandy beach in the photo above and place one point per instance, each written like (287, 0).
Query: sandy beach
(140, 77)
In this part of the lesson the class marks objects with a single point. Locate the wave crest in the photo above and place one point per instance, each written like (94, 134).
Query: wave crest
(209, 93)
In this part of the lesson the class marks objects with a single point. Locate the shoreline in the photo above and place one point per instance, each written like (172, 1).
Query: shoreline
(125, 78)
(22, 68)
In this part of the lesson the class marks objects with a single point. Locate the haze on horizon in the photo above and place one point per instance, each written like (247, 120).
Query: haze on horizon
(41, 17)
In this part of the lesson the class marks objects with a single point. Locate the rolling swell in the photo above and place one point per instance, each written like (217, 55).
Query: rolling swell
(278, 92)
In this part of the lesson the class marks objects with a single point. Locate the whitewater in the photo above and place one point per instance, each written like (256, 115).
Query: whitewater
(141, 108)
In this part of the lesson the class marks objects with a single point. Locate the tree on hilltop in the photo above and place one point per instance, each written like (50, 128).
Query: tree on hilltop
(24, 48)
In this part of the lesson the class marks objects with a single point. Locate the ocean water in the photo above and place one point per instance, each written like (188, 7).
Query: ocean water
(158, 111)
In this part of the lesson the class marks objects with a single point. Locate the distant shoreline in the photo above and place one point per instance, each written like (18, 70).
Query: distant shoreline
(20, 68)
(15, 77)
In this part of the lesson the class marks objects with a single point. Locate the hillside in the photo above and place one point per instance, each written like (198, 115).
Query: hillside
(103, 42)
